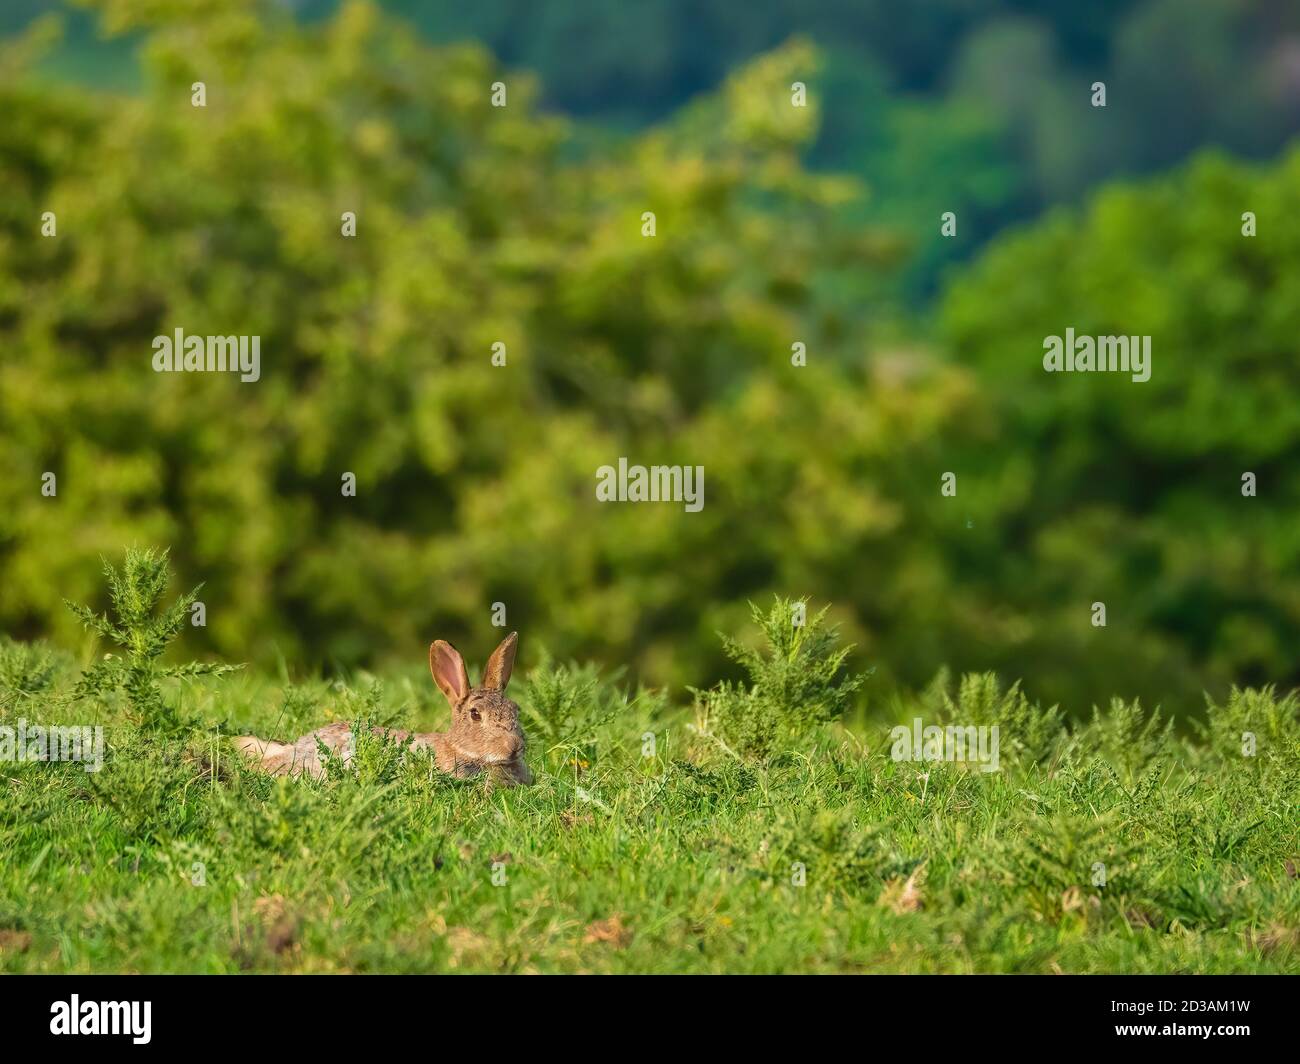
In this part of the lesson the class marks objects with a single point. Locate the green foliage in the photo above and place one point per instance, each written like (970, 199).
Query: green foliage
(828, 846)
(560, 702)
(1250, 714)
(911, 94)
(481, 224)
(1131, 493)
(795, 682)
(834, 858)
(1052, 863)
(143, 634)
(474, 227)
(1128, 736)
(1027, 729)
(27, 670)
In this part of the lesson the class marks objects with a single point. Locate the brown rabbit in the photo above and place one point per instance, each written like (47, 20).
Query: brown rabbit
(484, 736)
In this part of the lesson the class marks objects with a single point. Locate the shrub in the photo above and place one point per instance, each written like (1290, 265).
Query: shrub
(143, 634)
(795, 683)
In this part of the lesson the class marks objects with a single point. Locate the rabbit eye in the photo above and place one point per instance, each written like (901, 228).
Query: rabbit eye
(474, 714)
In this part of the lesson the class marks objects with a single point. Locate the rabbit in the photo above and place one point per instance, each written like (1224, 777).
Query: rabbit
(485, 734)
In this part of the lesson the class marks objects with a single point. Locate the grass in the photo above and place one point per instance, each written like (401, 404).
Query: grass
(652, 841)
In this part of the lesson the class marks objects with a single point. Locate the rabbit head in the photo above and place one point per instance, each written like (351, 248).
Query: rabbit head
(485, 727)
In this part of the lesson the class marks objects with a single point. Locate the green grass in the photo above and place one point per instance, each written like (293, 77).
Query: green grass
(626, 859)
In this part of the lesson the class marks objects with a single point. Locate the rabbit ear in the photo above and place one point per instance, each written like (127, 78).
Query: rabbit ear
(497, 673)
(448, 669)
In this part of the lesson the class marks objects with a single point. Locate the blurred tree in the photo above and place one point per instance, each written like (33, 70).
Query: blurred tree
(1131, 493)
(1179, 72)
(475, 482)
(478, 225)
(980, 106)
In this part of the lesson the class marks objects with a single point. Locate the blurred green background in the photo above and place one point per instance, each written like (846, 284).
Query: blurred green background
(775, 225)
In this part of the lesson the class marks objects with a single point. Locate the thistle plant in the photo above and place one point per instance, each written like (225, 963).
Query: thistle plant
(795, 683)
(143, 634)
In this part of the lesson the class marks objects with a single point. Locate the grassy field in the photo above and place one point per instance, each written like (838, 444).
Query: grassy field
(660, 836)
